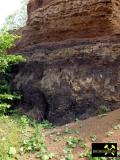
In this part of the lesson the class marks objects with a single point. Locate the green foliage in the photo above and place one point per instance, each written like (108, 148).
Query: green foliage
(6, 41)
(6, 61)
(12, 151)
(45, 156)
(68, 154)
(34, 143)
(73, 141)
(10, 137)
(47, 125)
(93, 137)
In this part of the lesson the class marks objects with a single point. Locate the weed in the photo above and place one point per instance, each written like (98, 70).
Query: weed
(87, 154)
(47, 125)
(104, 109)
(67, 131)
(116, 127)
(102, 115)
(34, 143)
(77, 120)
(73, 141)
(83, 145)
(45, 156)
(109, 133)
(93, 137)
(12, 151)
(68, 154)
(25, 120)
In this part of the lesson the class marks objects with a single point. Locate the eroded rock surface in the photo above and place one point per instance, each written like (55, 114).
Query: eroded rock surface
(64, 81)
(73, 59)
(57, 20)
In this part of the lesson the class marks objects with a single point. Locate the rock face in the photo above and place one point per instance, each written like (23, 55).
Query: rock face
(116, 14)
(68, 80)
(56, 20)
(73, 59)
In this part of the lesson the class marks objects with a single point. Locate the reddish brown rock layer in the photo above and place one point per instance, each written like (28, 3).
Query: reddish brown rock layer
(35, 4)
(116, 14)
(58, 20)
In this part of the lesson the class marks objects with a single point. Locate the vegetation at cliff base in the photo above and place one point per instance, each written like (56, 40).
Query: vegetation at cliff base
(6, 61)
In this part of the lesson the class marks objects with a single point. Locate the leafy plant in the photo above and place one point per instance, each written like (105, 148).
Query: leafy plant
(87, 154)
(68, 154)
(73, 141)
(6, 61)
(116, 127)
(83, 145)
(12, 151)
(104, 109)
(67, 131)
(47, 125)
(43, 155)
(93, 137)
(34, 143)
(109, 133)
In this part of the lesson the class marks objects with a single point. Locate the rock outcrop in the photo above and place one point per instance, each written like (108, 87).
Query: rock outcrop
(73, 59)
(57, 20)
(76, 79)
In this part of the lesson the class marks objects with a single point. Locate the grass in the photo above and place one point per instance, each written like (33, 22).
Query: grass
(20, 135)
(10, 137)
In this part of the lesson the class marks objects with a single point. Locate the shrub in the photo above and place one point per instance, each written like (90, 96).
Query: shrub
(6, 61)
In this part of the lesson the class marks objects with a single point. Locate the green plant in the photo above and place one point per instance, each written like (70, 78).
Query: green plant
(109, 133)
(116, 127)
(68, 154)
(101, 116)
(12, 151)
(83, 145)
(44, 155)
(87, 154)
(67, 131)
(104, 109)
(24, 120)
(93, 137)
(6, 61)
(73, 141)
(10, 137)
(47, 125)
(34, 143)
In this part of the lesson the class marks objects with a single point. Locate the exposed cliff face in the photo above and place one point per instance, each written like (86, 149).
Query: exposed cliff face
(76, 79)
(78, 76)
(58, 20)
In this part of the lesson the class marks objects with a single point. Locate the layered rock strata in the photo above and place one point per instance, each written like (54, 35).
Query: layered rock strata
(72, 49)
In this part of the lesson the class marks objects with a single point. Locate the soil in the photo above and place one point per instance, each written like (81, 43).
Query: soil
(100, 126)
